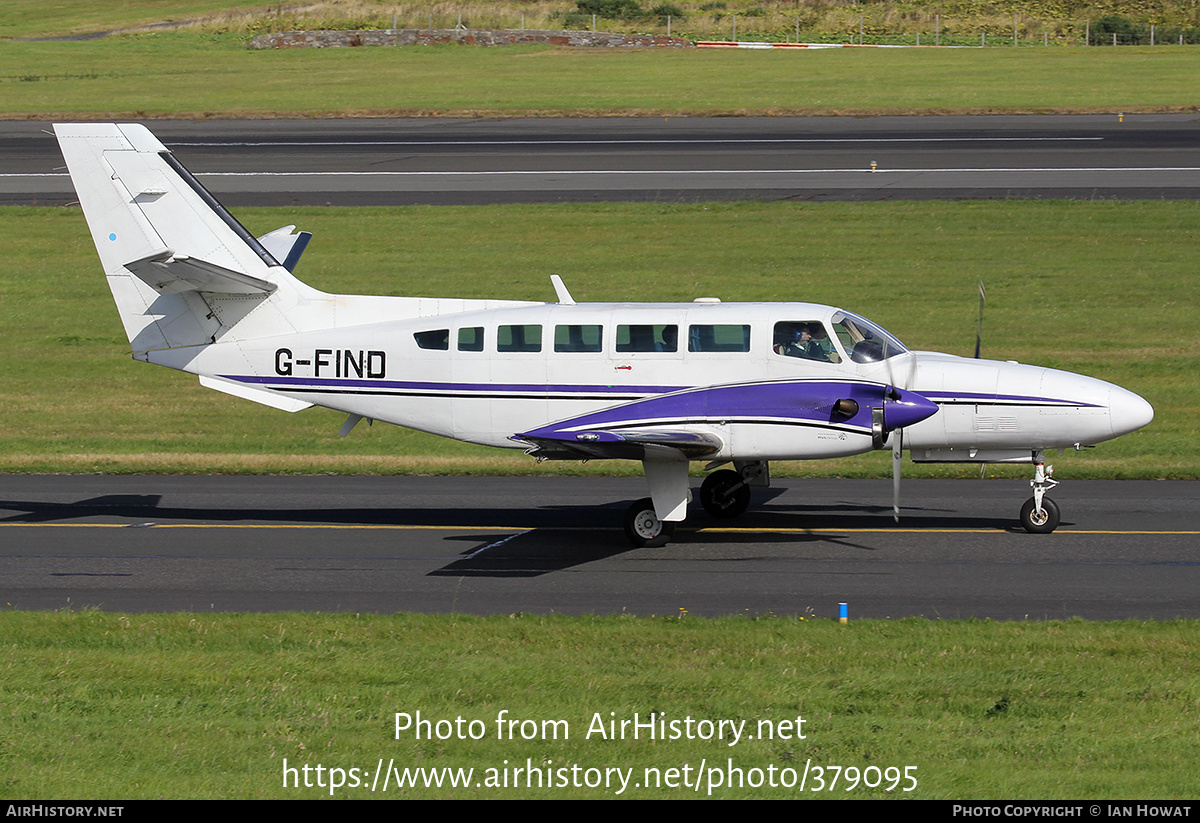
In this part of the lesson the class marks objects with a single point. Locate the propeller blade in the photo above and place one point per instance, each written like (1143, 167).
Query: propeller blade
(979, 326)
(897, 446)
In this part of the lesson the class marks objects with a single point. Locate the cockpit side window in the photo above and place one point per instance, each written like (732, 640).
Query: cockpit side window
(863, 340)
(805, 339)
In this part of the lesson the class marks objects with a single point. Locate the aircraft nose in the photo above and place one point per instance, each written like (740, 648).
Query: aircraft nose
(1128, 411)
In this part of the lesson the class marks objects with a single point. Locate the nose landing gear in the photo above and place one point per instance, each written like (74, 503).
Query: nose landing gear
(1040, 514)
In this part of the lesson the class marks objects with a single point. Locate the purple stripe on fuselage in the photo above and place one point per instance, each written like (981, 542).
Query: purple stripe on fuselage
(1009, 399)
(284, 383)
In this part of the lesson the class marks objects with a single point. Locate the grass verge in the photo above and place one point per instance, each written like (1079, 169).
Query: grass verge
(179, 74)
(112, 706)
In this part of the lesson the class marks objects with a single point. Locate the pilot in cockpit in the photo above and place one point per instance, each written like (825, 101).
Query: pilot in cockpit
(798, 340)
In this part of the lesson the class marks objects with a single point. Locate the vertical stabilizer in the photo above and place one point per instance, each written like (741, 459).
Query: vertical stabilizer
(182, 270)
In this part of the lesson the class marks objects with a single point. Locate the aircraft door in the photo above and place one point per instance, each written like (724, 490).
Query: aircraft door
(643, 354)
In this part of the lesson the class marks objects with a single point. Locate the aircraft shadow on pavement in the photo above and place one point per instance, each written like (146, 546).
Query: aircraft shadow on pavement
(543, 539)
(533, 553)
(543, 551)
(143, 507)
(546, 550)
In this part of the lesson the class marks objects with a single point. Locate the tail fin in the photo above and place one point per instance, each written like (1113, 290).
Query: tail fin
(182, 270)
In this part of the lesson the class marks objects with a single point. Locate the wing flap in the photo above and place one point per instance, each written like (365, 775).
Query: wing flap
(626, 445)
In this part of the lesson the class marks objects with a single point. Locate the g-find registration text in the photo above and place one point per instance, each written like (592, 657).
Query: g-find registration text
(333, 363)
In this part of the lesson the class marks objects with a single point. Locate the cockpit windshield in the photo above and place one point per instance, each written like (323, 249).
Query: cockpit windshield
(863, 340)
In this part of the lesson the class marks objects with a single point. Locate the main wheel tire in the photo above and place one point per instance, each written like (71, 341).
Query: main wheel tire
(723, 494)
(1042, 522)
(643, 528)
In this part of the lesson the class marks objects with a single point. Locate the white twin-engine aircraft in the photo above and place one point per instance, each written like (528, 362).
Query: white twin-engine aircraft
(663, 383)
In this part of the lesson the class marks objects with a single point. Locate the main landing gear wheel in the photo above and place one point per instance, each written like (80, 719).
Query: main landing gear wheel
(643, 528)
(725, 494)
(1040, 522)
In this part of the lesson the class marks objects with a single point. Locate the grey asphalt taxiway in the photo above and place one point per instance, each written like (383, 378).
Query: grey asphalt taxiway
(454, 161)
(1126, 549)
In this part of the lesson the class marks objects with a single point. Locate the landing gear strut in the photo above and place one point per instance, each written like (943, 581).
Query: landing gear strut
(1040, 514)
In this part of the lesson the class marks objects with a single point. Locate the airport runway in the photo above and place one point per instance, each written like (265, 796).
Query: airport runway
(1126, 549)
(444, 161)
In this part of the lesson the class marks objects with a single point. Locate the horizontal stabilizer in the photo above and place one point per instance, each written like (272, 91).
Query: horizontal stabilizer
(285, 246)
(245, 392)
(168, 273)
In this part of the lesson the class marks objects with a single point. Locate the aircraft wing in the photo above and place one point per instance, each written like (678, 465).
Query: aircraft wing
(691, 422)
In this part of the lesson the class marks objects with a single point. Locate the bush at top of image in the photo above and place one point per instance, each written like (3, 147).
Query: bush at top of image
(1115, 24)
(612, 9)
(664, 10)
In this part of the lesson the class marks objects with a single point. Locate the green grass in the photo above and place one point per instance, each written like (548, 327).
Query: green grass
(1102, 288)
(192, 75)
(46, 18)
(112, 706)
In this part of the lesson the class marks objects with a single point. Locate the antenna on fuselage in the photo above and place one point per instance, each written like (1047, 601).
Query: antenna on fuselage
(979, 325)
(560, 288)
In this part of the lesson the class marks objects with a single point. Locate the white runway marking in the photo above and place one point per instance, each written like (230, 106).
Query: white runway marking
(642, 142)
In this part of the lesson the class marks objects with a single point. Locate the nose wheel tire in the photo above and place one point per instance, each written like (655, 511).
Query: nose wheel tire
(1040, 522)
(725, 494)
(643, 528)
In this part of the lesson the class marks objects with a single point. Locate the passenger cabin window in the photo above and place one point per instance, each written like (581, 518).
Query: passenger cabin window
(578, 338)
(519, 339)
(806, 340)
(718, 338)
(439, 339)
(470, 339)
(664, 338)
